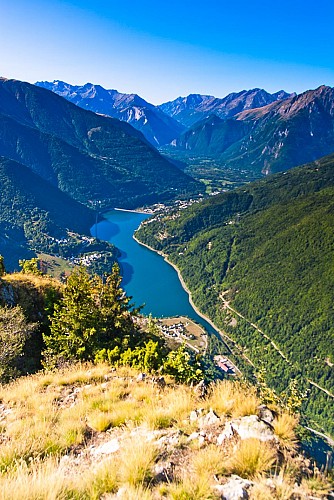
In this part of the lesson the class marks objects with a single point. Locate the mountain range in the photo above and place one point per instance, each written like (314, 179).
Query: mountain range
(88, 156)
(57, 159)
(195, 107)
(156, 126)
(160, 124)
(272, 138)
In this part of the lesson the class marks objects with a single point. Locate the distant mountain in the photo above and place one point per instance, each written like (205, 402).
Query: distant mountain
(88, 156)
(156, 126)
(196, 107)
(259, 262)
(271, 138)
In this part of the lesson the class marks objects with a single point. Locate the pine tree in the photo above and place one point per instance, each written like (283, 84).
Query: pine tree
(91, 316)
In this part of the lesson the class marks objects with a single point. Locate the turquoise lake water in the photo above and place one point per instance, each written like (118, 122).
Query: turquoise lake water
(146, 275)
(153, 282)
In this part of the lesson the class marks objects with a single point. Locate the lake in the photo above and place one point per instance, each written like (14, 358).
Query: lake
(147, 277)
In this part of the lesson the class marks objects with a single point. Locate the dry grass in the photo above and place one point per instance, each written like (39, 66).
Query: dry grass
(208, 461)
(135, 462)
(178, 403)
(276, 487)
(284, 427)
(261, 491)
(251, 458)
(135, 493)
(45, 479)
(191, 488)
(228, 398)
(318, 485)
(47, 420)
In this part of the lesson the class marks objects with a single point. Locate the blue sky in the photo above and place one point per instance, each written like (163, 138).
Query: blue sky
(163, 49)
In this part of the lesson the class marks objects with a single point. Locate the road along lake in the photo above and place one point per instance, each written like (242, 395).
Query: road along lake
(147, 277)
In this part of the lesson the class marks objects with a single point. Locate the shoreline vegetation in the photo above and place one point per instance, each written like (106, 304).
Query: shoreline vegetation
(184, 286)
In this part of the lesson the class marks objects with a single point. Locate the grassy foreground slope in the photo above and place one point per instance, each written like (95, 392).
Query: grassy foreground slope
(259, 262)
(91, 432)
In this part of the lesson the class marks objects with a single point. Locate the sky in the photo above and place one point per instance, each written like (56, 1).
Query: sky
(163, 49)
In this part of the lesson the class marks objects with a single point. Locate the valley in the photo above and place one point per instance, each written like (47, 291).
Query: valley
(253, 249)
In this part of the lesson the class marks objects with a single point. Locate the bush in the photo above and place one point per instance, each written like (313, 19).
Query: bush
(14, 333)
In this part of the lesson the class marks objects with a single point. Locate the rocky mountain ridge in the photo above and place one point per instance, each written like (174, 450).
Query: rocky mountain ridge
(156, 126)
(195, 107)
(272, 138)
(88, 156)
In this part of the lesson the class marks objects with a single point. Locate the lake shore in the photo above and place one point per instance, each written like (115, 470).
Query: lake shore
(184, 286)
(133, 211)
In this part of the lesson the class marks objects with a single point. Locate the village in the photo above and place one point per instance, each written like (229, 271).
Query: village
(183, 329)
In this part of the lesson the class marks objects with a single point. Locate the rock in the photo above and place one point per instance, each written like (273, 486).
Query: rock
(201, 440)
(201, 389)
(107, 448)
(195, 414)
(171, 439)
(193, 436)
(265, 414)
(163, 472)
(227, 433)
(252, 427)
(159, 382)
(209, 419)
(234, 489)
(141, 377)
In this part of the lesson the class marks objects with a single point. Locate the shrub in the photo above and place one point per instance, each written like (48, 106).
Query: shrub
(14, 333)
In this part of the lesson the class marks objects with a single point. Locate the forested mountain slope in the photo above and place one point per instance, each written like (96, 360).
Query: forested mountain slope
(88, 156)
(259, 262)
(33, 212)
(271, 138)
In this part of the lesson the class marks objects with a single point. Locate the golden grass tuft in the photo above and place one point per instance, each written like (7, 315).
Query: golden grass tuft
(208, 461)
(284, 427)
(318, 485)
(261, 491)
(251, 458)
(178, 402)
(228, 398)
(135, 461)
(136, 493)
(191, 488)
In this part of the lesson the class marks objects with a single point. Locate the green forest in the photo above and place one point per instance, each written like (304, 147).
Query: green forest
(259, 262)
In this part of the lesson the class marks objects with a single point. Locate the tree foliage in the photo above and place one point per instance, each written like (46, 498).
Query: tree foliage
(92, 315)
(266, 251)
(15, 330)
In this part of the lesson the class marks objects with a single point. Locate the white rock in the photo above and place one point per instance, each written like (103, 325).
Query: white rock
(193, 436)
(252, 427)
(226, 434)
(209, 419)
(107, 448)
(234, 489)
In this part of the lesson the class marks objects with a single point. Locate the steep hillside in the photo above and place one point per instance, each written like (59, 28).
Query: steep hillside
(195, 107)
(156, 126)
(272, 138)
(33, 214)
(92, 432)
(88, 156)
(259, 262)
